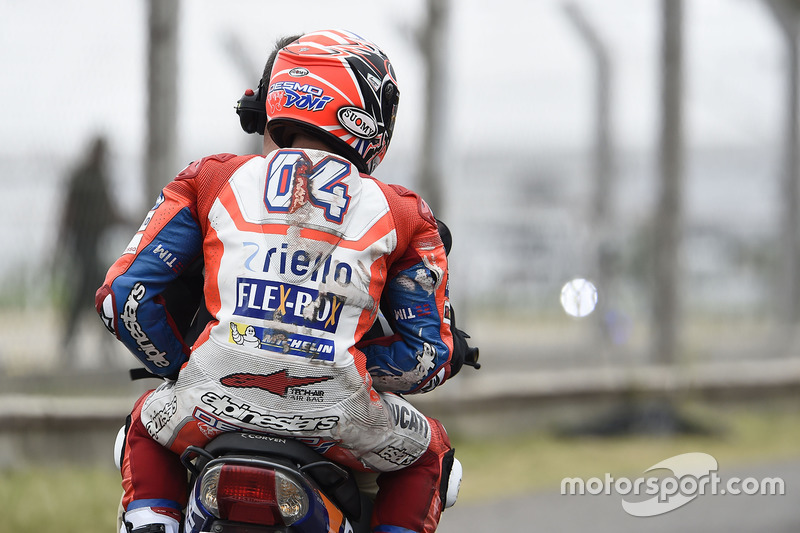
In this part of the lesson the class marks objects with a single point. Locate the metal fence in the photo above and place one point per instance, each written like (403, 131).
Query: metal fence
(517, 171)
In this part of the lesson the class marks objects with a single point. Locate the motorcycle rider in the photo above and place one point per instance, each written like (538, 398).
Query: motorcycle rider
(301, 249)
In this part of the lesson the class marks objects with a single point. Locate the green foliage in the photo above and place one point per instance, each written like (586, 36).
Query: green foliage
(61, 499)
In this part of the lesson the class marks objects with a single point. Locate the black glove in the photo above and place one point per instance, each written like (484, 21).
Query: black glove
(463, 353)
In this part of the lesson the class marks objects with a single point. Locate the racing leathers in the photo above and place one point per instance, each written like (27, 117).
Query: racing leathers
(300, 252)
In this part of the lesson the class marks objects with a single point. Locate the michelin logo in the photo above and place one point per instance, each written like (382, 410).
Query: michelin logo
(278, 340)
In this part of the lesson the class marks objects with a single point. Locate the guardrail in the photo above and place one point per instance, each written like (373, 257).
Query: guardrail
(761, 377)
(33, 427)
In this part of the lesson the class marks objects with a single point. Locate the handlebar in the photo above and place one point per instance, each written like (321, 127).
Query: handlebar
(471, 358)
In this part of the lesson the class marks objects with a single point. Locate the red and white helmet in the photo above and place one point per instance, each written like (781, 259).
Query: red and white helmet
(341, 85)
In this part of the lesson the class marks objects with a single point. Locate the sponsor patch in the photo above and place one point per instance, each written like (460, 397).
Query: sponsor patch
(133, 246)
(131, 323)
(160, 418)
(225, 406)
(358, 122)
(415, 311)
(209, 420)
(107, 311)
(298, 262)
(409, 419)
(448, 313)
(396, 456)
(168, 258)
(277, 383)
(149, 216)
(319, 445)
(302, 96)
(274, 340)
(287, 303)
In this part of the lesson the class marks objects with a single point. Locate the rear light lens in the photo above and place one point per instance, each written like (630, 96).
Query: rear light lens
(254, 495)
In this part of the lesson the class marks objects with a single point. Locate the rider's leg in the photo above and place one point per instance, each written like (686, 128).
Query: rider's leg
(414, 458)
(153, 479)
(412, 499)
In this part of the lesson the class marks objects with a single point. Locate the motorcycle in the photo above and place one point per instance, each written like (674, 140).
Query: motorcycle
(252, 483)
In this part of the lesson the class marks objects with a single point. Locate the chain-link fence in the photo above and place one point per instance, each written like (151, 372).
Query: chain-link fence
(517, 171)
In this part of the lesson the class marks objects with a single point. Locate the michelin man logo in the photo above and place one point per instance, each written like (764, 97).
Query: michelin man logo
(248, 339)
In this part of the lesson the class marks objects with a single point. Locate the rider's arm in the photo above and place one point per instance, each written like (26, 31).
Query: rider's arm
(415, 302)
(131, 302)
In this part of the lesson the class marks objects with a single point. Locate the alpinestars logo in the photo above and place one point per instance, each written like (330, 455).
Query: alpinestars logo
(160, 418)
(131, 323)
(227, 407)
(106, 310)
(277, 383)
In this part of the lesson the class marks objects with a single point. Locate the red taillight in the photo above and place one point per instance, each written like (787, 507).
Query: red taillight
(247, 494)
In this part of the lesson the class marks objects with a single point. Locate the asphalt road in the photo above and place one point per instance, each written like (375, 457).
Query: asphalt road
(552, 512)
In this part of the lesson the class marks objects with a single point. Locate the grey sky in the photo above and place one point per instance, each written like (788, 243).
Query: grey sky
(518, 70)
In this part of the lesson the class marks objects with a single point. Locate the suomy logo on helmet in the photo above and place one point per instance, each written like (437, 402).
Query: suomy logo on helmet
(358, 122)
(298, 72)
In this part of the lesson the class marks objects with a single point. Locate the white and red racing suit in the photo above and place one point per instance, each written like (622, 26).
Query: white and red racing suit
(300, 253)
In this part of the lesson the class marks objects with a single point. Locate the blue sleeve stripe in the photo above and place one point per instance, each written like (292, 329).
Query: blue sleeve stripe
(391, 529)
(154, 502)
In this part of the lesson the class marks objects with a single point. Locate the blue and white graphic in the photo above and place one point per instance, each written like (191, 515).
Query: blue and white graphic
(290, 304)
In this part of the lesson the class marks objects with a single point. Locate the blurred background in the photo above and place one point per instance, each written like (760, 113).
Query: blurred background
(649, 146)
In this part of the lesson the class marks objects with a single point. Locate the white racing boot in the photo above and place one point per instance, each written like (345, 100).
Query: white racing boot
(454, 483)
(145, 520)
